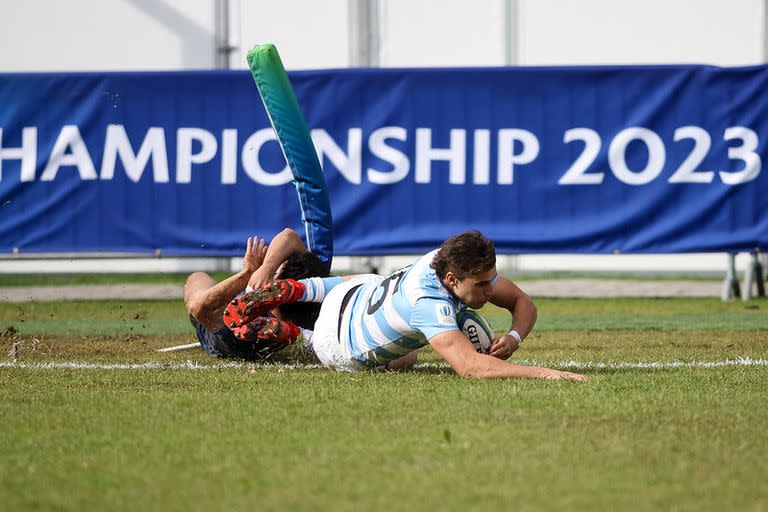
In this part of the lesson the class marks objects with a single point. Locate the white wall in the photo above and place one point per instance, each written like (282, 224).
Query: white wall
(572, 32)
(91, 35)
(106, 35)
(725, 33)
(309, 34)
(441, 33)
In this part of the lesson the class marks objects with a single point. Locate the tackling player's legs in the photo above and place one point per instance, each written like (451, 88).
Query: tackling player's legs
(206, 300)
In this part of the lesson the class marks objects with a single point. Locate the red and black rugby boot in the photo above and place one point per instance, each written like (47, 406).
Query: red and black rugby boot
(276, 333)
(251, 305)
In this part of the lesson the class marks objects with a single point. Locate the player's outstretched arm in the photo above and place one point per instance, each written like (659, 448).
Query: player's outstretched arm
(458, 351)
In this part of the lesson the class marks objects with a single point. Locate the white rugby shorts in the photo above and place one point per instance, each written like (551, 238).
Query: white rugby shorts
(325, 339)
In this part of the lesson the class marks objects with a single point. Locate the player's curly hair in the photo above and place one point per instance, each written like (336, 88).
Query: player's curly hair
(465, 254)
(300, 266)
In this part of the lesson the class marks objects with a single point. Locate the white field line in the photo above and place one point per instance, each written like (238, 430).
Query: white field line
(586, 365)
(190, 365)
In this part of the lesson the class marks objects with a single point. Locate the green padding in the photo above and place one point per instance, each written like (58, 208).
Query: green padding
(292, 134)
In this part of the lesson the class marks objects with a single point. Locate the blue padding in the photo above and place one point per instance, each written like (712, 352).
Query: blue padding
(288, 122)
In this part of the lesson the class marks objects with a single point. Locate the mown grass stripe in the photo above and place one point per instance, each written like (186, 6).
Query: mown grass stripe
(191, 365)
(188, 365)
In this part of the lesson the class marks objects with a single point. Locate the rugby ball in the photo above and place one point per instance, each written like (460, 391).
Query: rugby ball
(477, 329)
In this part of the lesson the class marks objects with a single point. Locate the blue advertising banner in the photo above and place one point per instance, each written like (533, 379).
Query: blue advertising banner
(648, 159)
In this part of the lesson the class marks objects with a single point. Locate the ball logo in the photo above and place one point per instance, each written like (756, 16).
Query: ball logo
(477, 330)
(471, 332)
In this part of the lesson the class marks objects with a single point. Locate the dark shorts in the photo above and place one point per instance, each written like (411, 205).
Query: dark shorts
(223, 344)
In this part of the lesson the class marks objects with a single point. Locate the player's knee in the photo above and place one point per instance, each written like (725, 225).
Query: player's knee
(195, 278)
(194, 306)
(200, 303)
(195, 283)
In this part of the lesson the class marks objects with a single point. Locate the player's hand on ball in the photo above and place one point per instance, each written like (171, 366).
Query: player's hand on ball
(503, 346)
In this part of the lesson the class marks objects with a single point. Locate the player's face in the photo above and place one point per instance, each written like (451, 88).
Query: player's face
(475, 289)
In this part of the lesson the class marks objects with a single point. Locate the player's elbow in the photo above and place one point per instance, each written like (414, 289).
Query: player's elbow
(472, 373)
(290, 234)
(467, 373)
(470, 368)
(526, 309)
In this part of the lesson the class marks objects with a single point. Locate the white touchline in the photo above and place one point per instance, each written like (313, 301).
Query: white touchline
(585, 365)
(740, 361)
(190, 365)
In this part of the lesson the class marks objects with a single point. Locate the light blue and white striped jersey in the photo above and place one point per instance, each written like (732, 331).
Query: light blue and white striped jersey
(389, 318)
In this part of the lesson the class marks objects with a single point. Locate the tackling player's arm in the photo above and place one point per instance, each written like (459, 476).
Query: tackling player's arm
(509, 296)
(208, 307)
(459, 352)
(284, 244)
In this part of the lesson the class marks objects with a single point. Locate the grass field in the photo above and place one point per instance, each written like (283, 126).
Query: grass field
(179, 278)
(191, 433)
